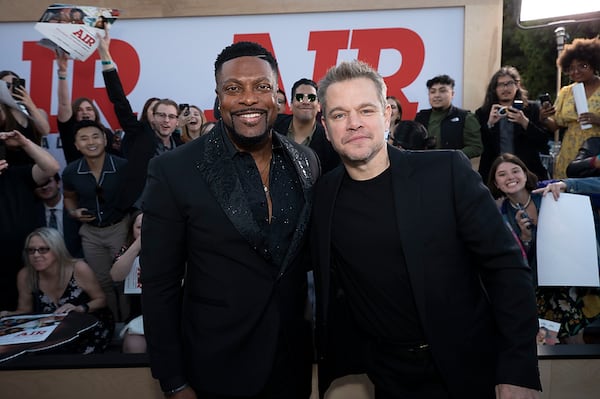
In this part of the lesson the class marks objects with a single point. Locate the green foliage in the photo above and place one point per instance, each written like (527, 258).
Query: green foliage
(533, 51)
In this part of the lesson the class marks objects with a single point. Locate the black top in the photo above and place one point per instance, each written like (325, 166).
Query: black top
(371, 267)
(17, 219)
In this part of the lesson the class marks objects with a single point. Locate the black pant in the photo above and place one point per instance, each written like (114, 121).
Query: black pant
(403, 372)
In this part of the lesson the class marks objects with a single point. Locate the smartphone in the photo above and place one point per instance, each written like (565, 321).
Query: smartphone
(17, 83)
(185, 108)
(545, 98)
(518, 104)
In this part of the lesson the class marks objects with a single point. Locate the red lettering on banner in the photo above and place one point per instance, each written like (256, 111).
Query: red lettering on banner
(85, 37)
(83, 77)
(409, 44)
(326, 46)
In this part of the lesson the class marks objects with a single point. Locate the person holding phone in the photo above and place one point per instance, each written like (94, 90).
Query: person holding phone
(510, 123)
(191, 120)
(581, 61)
(92, 187)
(28, 119)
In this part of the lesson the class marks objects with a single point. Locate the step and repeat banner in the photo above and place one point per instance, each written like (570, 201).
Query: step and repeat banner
(174, 57)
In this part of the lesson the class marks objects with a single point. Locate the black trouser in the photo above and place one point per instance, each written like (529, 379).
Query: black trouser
(405, 371)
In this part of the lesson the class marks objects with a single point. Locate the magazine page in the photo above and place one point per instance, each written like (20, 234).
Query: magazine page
(28, 328)
(73, 28)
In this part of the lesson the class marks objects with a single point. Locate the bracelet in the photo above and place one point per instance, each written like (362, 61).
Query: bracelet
(176, 390)
(106, 62)
(86, 307)
(62, 77)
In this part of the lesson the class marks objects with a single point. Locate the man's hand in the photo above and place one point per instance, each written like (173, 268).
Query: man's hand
(507, 391)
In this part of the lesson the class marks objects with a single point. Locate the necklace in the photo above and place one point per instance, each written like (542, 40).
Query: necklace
(516, 206)
(264, 174)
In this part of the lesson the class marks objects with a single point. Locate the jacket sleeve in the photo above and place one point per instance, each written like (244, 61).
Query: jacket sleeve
(127, 118)
(472, 136)
(162, 260)
(504, 274)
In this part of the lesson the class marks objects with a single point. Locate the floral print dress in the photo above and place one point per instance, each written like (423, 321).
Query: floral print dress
(92, 341)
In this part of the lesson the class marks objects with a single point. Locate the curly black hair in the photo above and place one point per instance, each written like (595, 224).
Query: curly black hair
(587, 50)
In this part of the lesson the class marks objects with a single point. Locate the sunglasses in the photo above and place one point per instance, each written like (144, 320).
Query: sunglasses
(311, 97)
(40, 250)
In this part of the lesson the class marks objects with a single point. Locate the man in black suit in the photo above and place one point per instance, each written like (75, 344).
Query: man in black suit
(227, 214)
(304, 124)
(53, 214)
(419, 283)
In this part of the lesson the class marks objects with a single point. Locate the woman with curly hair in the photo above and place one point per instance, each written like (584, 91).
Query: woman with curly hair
(581, 61)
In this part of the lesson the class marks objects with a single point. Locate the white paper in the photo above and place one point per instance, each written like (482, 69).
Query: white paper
(75, 36)
(132, 281)
(581, 102)
(567, 254)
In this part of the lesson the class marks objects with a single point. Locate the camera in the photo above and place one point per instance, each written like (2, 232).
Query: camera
(185, 108)
(502, 111)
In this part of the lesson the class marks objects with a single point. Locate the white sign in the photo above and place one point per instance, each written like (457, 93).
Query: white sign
(567, 254)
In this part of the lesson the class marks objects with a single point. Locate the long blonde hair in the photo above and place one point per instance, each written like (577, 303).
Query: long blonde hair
(56, 243)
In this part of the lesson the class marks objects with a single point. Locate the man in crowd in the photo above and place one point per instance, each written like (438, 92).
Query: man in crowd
(17, 205)
(143, 140)
(233, 229)
(53, 214)
(453, 128)
(92, 188)
(394, 312)
(302, 125)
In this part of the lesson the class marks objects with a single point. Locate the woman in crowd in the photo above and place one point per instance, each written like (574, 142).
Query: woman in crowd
(69, 114)
(510, 178)
(191, 124)
(581, 61)
(30, 120)
(128, 258)
(53, 282)
(507, 129)
(396, 112)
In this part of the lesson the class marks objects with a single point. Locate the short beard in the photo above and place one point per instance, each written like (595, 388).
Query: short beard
(248, 143)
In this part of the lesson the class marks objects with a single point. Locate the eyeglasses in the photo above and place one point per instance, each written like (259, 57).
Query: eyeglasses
(510, 83)
(578, 67)
(162, 115)
(40, 250)
(311, 97)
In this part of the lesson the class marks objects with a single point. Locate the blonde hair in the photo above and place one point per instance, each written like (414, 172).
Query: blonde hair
(56, 243)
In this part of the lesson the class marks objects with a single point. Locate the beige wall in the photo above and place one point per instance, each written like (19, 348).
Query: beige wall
(483, 23)
(568, 378)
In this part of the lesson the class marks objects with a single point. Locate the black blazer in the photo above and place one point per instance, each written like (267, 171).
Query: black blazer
(221, 331)
(473, 291)
(70, 230)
